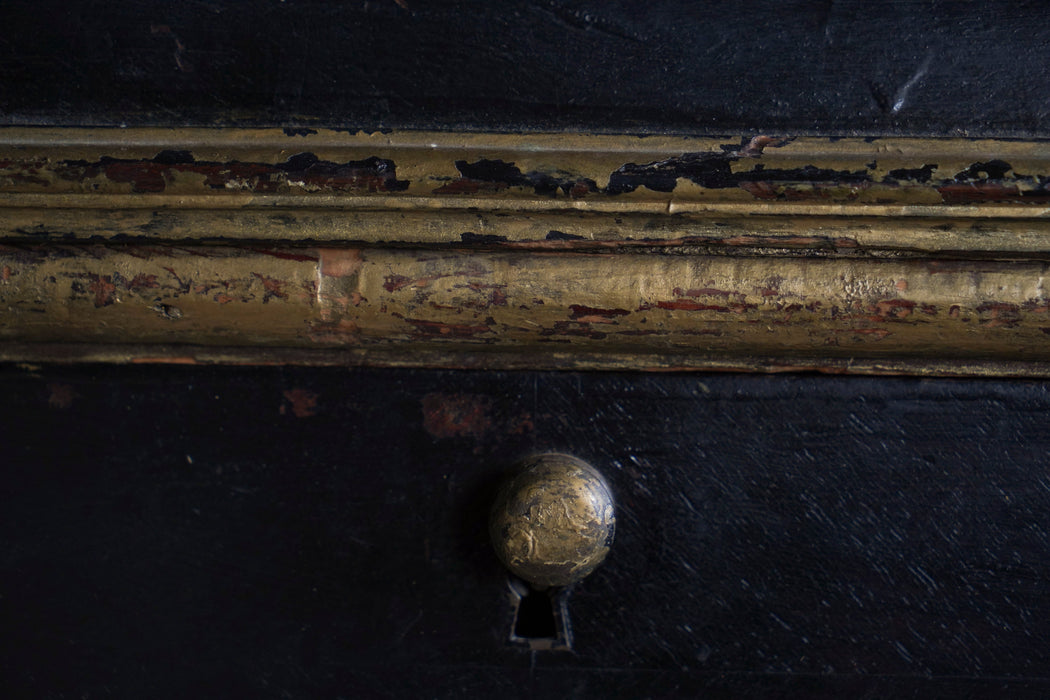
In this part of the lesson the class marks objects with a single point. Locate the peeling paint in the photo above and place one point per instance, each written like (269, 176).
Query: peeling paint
(663, 250)
(492, 176)
(757, 172)
(303, 171)
(426, 329)
(60, 395)
(378, 299)
(587, 314)
(302, 403)
(456, 415)
(339, 262)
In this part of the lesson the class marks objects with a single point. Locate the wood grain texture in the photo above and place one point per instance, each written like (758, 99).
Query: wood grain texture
(297, 532)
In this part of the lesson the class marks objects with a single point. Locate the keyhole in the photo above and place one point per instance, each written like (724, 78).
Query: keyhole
(551, 524)
(535, 618)
(540, 617)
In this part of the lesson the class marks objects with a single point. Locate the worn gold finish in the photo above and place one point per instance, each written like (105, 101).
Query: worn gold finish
(920, 256)
(555, 306)
(418, 187)
(552, 524)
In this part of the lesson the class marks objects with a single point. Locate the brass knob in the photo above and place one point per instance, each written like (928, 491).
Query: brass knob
(553, 522)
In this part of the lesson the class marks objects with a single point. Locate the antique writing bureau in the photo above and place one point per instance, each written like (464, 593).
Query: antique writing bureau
(290, 291)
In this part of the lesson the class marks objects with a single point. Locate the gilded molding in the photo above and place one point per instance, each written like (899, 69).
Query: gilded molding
(919, 256)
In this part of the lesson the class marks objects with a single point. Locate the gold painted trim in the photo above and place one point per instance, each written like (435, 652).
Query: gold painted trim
(559, 251)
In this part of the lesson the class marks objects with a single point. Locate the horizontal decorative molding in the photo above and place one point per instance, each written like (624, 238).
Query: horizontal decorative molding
(199, 184)
(548, 251)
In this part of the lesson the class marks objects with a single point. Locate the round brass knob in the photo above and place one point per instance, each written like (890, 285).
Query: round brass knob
(553, 522)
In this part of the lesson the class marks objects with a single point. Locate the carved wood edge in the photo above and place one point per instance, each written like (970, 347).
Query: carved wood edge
(508, 251)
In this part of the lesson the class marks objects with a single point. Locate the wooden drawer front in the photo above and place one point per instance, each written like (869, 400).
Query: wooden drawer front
(322, 531)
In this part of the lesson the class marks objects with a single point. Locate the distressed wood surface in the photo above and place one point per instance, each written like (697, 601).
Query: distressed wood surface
(297, 532)
(575, 250)
(550, 304)
(544, 189)
(293, 532)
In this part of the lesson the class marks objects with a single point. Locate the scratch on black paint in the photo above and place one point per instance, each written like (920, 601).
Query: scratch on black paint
(180, 49)
(585, 21)
(902, 94)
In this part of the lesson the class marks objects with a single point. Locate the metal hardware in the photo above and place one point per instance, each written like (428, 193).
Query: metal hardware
(553, 522)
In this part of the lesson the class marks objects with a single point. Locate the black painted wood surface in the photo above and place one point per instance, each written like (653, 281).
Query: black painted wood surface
(294, 532)
(829, 67)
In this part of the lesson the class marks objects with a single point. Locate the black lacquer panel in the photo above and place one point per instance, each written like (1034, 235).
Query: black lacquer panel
(321, 533)
(830, 67)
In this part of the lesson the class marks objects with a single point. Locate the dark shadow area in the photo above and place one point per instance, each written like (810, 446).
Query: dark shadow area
(535, 618)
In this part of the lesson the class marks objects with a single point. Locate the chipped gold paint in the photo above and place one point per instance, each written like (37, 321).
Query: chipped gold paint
(644, 304)
(153, 294)
(832, 276)
(40, 203)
